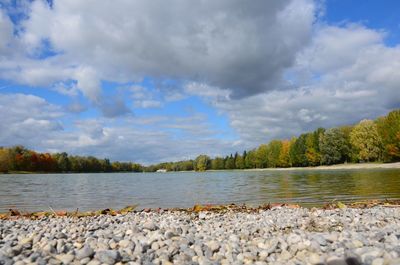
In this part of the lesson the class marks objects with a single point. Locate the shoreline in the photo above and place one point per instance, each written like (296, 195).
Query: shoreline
(14, 213)
(395, 165)
(279, 235)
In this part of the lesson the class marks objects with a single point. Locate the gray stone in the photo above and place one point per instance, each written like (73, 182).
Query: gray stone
(149, 225)
(85, 252)
(94, 262)
(378, 261)
(124, 243)
(84, 261)
(169, 234)
(293, 239)
(65, 258)
(49, 249)
(336, 261)
(314, 258)
(202, 215)
(108, 256)
(61, 235)
(213, 245)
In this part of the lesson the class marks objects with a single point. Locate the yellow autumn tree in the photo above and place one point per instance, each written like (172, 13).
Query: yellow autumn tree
(366, 141)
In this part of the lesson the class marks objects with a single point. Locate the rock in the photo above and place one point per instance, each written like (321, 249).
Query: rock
(14, 251)
(49, 248)
(353, 261)
(65, 258)
(213, 245)
(336, 261)
(155, 246)
(357, 243)
(393, 262)
(314, 258)
(26, 240)
(263, 254)
(149, 225)
(85, 252)
(370, 255)
(61, 235)
(202, 215)
(169, 234)
(285, 255)
(331, 237)
(378, 261)
(84, 261)
(321, 240)
(124, 243)
(293, 239)
(108, 256)
(94, 262)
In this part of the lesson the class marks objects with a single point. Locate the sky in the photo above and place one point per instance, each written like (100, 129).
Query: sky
(154, 81)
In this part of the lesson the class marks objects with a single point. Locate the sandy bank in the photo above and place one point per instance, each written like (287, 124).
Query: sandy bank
(338, 167)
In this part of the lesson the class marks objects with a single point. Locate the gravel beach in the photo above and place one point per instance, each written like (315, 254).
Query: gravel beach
(277, 236)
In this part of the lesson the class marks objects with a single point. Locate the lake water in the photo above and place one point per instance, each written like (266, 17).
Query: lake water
(34, 192)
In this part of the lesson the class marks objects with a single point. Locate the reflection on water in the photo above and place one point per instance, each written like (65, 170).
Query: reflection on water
(35, 192)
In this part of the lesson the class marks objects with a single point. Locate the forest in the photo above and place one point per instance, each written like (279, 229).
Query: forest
(368, 141)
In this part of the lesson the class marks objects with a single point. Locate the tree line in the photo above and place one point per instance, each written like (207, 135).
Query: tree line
(368, 141)
(18, 158)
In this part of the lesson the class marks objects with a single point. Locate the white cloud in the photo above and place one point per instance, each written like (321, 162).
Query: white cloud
(88, 82)
(27, 119)
(345, 75)
(204, 90)
(32, 121)
(267, 66)
(227, 44)
(6, 32)
(147, 104)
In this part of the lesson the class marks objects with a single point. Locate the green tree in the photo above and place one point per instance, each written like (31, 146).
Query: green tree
(229, 162)
(63, 162)
(250, 159)
(284, 157)
(217, 163)
(239, 162)
(334, 147)
(297, 152)
(313, 153)
(202, 163)
(366, 141)
(273, 153)
(389, 130)
(262, 156)
(5, 160)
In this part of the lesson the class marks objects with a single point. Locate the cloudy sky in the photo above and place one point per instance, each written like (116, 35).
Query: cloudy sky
(152, 81)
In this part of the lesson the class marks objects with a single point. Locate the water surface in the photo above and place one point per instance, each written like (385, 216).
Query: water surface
(34, 192)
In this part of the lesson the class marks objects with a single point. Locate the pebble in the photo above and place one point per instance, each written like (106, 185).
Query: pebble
(65, 258)
(124, 243)
(279, 236)
(314, 258)
(85, 252)
(293, 239)
(107, 256)
(149, 225)
(378, 261)
(202, 215)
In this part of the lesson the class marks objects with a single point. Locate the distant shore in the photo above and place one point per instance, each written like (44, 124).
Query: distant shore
(338, 166)
(395, 165)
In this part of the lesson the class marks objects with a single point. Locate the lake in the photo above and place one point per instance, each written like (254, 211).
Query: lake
(34, 192)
